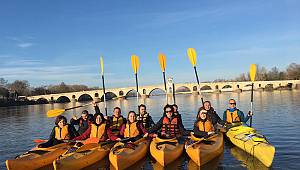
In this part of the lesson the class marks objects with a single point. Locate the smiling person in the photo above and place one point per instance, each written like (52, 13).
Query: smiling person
(133, 128)
(234, 115)
(61, 131)
(203, 126)
(169, 124)
(145, 117)
(116, 121)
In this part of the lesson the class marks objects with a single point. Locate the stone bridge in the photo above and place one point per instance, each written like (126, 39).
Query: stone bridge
(146, 91)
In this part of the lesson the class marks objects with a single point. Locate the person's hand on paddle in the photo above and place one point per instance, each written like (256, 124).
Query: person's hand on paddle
(105, 117)
(118, 139)
(211, 133)
(250, 113)
(145, 135)
(74, 117)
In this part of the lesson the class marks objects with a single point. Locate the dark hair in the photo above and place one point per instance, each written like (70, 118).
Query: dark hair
(175, 105)
(85, 112)
(129, 114)
(59, 118)
(101, 115)
(198, 114)
(169, 106)
(207, 102)
(117, 108)
(232, 99)
(142, 105)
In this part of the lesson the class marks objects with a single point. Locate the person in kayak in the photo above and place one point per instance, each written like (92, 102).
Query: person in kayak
(234, 115)
(133, 128)
(85, 120)
(169, 125)
(177, 114)
(212, 114)
(116, 121)
(98, 131)
(61, 131)
(203, 126)
(145, 117)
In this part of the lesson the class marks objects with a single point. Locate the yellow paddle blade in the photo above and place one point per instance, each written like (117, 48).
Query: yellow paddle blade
(252, 72)
(102, 65)
(162, 61)
(55, 112)
(135, 63)
(192, 55)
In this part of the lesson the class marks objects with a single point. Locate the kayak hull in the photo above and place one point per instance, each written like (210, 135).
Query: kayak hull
(247, 139)
(125, 157)
(165, 153)
(204, 151)
(86, 155)
(37, 157)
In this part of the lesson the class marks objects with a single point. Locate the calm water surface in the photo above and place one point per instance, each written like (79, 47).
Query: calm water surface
(277, 116)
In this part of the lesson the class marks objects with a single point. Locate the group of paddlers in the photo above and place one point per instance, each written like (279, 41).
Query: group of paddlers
(98, 128)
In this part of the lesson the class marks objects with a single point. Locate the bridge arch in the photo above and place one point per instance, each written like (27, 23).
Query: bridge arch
(85, 97)
(131, 93)
(227, 86)
(183, 89)
(108, 96)
(156, 92)
(63, 99)
(206, 87)
(42, 101)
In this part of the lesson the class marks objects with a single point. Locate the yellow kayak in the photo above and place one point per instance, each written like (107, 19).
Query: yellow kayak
(123, 155)
(253, 143)
(86, 155)
(37, 157)
(202, 150)
(165, 151)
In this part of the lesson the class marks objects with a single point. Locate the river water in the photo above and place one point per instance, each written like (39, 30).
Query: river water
(277, 116)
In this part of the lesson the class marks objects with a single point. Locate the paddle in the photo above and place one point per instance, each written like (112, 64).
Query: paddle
(252, 77)
(103, 86)
(39, 140)
(163, 63)
(193, 59)
(135, 65)
(174, 93)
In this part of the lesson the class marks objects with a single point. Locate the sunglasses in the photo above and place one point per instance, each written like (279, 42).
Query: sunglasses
(232, 103)
(168, 111)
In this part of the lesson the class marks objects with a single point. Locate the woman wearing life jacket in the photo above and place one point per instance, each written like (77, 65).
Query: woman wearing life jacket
(203, 126)
(169, 125)
(234, 115)
(61, 131)
(212, 114)
(85, 120)
(116, 121)
(133, 128)
(145, 117)
(98, 131)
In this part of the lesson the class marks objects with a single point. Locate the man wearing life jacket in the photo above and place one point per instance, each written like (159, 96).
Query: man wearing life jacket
(85, 120)
(212, 114)
(168, 125)
(203, 126)
(133, 128)
(234, 115)
(61, 131)
(98, 131)
(145, 117)
(116, 121)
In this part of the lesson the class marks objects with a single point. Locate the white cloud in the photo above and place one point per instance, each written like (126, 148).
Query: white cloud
(24, 45)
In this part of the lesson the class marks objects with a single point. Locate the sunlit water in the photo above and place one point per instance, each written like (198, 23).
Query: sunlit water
(277, 116)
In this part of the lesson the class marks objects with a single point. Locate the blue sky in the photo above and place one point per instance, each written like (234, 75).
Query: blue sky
(47, 42)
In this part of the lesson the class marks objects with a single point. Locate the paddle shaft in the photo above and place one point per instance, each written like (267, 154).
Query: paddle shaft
(164, 76)
(104, 97)
(137, 90)
(251, 104)
(195, 69)
(78, 106)
(174, 93)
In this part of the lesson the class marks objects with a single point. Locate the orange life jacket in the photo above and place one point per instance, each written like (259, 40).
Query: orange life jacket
(206, 126)
(62, 133)
(97, 131)
(232, 117)
(170, 127)
(131, 130)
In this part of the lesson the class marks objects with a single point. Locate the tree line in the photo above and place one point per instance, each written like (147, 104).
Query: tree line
(23, 88)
